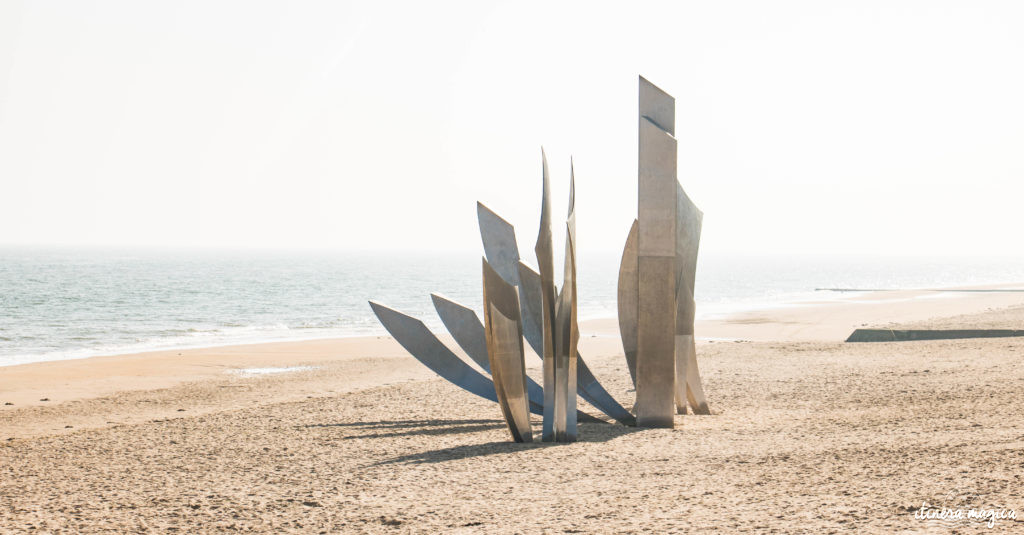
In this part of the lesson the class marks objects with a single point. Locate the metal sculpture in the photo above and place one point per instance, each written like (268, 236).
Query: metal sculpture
(657, 274)
(656, 306)
(493, 346)
(656, 271)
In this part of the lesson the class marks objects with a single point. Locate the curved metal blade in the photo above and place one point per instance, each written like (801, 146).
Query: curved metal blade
(629, 296)
(465, 327)
(529, 293)
(502, 252)
(417, 339)
(566, 318)
(546, 268)
(500, 248)
(504, 333)
(694, 389)
(689, 220)
(591, 390)
(656, 250)
(688, 383)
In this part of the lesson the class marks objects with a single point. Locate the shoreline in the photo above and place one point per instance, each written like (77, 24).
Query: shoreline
(50, 383)
(216, 345)
(600, 322)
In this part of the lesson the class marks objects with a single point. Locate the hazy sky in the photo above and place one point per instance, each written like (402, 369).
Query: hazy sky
(803, 127)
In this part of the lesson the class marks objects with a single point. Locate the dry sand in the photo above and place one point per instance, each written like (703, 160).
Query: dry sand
(808, 434)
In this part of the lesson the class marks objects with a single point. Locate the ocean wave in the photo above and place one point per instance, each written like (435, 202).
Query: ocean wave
(171, 343)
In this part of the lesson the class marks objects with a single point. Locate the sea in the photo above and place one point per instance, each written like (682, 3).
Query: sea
(65, 303)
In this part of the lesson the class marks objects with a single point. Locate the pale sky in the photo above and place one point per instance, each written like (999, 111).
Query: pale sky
(804, 127)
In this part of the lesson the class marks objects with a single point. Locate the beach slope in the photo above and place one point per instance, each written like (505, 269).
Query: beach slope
(806, 436)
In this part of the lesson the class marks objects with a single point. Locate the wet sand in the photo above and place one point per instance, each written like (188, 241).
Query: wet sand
(808, 434)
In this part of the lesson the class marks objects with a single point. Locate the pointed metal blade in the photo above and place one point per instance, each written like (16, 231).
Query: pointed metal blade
(417, 339)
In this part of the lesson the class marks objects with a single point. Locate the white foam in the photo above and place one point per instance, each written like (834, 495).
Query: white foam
(253, 372)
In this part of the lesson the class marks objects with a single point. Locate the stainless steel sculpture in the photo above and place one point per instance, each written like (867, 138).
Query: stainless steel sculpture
(505, 349)
(656, 249)
(492, 343)
(657, 274)
(656, 306)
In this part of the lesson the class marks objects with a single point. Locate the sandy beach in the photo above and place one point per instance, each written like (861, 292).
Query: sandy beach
(807, 434)
(224, 225)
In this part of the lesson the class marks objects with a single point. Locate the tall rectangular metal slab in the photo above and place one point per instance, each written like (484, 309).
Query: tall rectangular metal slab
(656, 257)
(655, 363)
(658, 106)
(656, 227)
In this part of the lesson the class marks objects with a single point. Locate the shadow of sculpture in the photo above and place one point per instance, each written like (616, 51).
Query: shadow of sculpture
(589, 432)
(404, 428)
